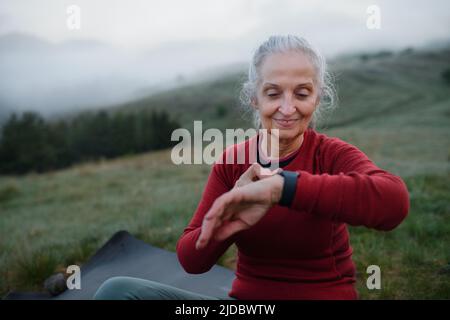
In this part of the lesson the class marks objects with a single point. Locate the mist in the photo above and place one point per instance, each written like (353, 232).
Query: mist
(124, 51)
(57, 77)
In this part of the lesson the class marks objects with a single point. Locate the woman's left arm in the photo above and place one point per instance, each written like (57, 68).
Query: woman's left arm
(356, 191)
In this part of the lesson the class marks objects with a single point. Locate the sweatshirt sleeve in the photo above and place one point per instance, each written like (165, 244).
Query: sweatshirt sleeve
(200, 261)
(353, 191)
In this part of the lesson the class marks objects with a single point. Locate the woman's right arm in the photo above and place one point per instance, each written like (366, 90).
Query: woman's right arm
(200, 261)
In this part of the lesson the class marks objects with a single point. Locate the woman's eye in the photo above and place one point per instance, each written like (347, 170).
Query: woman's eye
(272, 94)
(302, 94)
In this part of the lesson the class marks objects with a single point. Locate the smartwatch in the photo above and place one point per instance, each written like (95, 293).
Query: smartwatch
(289, 187)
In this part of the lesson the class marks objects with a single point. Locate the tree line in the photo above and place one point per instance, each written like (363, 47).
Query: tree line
(28, 142)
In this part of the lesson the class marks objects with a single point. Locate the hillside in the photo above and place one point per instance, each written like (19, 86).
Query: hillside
(395, 107)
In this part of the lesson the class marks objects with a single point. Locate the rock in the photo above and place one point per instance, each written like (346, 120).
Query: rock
(56, 284)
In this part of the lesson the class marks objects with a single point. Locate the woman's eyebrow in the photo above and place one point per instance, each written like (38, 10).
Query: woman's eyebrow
(304, 84)
(268, 84)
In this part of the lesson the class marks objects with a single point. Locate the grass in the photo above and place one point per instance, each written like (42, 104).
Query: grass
(62, 218)
(415, 258)
(395, 109)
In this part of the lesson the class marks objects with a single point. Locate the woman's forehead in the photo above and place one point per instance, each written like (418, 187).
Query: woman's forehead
(290, 66)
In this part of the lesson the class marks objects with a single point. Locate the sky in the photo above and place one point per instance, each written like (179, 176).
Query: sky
(135, 45)
(334, 26)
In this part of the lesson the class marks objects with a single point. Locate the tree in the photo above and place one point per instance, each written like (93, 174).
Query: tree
(28, 142)
(25, 145)
(446, 76)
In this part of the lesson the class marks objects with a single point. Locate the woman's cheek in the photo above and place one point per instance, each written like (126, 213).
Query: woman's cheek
(267, 112)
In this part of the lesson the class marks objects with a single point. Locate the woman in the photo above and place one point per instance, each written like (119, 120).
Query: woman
(289, 224)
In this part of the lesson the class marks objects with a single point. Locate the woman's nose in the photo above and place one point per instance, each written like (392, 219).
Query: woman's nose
(287, 107)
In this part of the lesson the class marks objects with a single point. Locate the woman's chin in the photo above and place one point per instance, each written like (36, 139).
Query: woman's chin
(286, 134)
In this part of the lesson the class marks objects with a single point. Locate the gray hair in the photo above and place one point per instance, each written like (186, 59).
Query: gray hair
(282, 44)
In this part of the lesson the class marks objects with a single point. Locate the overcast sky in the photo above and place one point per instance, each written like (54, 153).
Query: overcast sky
(334, 26)
(151, 43)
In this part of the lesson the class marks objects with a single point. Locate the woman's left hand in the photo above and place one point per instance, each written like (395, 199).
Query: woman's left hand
(239, 209)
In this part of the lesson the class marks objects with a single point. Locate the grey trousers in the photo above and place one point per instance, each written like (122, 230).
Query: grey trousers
(128, 288)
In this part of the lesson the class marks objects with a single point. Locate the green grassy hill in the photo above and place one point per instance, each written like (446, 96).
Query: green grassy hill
(214, 102)
(386, 101)
(394, 107)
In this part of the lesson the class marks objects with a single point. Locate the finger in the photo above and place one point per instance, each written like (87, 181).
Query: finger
(220, 211)
(210, 222)
(255, 172)
(228, 201)
(208, 226)
(252, 171)
(276, 171)
(266, 172)
(230, 228)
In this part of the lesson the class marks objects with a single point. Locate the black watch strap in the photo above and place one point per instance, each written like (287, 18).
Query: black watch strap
(289, 187)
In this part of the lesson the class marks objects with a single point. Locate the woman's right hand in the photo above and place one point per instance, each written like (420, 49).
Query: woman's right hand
(241, 207)
(254, 173)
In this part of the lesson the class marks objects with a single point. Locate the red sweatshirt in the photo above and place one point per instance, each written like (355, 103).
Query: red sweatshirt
(302, 252)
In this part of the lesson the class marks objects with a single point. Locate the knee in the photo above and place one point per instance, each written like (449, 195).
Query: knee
(115, 288)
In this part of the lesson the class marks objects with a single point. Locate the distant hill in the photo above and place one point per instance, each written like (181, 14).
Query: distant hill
(215, 102)
(394, 105)
(370, 86)
(400, 99)
(393, 87)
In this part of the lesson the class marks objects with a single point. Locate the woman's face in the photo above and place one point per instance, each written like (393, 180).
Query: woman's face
(287, 94)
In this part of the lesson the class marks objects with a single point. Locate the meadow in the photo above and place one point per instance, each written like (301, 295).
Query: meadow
(395, 107)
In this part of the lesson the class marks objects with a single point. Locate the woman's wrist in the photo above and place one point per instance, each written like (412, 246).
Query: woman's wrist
(277, 183)
(289, 187)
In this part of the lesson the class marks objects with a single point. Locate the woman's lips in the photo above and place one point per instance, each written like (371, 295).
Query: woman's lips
(289, 123)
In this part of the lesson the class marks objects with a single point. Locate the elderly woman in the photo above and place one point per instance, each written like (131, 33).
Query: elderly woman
(289, 225)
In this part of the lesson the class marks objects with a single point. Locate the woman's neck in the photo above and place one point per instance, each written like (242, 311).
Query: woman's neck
(285, 146)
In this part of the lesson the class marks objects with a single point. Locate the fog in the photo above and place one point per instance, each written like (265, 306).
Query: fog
(55, 77)
(125, 50)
